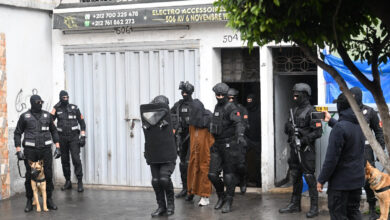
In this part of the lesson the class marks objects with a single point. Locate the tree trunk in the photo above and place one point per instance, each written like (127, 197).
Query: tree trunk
(383, 109)
(384, 159)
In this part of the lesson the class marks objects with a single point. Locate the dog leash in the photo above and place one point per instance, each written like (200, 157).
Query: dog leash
(20, 173)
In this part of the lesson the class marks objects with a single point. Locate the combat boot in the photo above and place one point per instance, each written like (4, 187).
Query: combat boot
(293, 206)
(227, 206)
(372, 211)
(170, 200)
(221, 200)
(67, 185)
(29, 206)
(182, 193)
(189, 198)
(313, 193)
(313, 212)
(80, 187)
(51, 205)
(160, 197)
(159, 211)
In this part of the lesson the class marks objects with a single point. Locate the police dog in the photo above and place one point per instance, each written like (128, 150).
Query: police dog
(380, 184)
(38, 183)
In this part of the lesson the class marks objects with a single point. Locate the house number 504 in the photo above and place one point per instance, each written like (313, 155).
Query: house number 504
(229, 38)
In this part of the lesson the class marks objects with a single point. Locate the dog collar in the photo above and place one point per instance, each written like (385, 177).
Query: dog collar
(41, 180)
(383, 189)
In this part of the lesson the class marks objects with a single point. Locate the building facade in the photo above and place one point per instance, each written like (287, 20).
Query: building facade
(118, 55)
(25, 62)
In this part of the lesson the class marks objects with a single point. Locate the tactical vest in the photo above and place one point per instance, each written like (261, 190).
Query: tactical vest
(37, 133)
(67, 123)
(221, 126)
(184, 115)
(300, 120)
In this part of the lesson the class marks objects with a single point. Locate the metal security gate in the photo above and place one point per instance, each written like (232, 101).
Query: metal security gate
(109, 85)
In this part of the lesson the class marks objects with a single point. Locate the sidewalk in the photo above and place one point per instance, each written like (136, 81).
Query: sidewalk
(132, 204)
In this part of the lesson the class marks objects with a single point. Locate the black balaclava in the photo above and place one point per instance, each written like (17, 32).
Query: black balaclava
(63, 101)
(342, 103)
(300, 98)
(358, 94)
(251, 106)
(160, 99)
(36, 104)
(221, 89)
(234, 94)
(187, 88)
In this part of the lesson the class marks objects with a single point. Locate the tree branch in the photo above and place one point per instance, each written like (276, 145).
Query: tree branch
(351, 66)
(384, 159)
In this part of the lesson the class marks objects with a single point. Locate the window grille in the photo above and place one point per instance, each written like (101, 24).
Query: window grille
(291, 60)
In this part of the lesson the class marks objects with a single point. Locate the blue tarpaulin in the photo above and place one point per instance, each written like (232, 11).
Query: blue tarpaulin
(332, 88)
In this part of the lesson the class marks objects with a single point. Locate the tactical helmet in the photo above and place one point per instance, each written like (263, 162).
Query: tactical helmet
(302, 87)
(160, 99)
(186, 87)
(232, 92)
(221, 88)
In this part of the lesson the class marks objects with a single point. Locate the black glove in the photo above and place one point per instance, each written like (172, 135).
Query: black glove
(20, 155)
(241, 140)
(82, 141)
(57, 153)
(304, 141)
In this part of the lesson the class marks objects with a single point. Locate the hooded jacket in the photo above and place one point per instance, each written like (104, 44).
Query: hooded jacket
(343, 167)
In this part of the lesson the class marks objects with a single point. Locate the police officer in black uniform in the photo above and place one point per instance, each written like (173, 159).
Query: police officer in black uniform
(233, 97)
(226, 154)
(39, 134)
(373, 120)
(181, 112)
(71, 139)
(160, 152)
(302, 158)
(252, 133)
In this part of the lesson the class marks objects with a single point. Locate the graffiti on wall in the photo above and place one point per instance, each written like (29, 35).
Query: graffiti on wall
(22, 101)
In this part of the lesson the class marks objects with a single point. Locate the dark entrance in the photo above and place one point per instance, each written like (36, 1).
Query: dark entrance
(241, 70)
(290, 66)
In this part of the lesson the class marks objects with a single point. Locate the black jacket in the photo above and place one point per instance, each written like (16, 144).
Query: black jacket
(343, 167)
(373, 121)
(38, 129)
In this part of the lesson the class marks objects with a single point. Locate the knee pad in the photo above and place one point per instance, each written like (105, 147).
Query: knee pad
(155, 182)
(213, 177)
(164, 182)
(229, 178)
(310, 179)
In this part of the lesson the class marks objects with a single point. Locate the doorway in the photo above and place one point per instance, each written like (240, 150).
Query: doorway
(290, 66)
(241, 70)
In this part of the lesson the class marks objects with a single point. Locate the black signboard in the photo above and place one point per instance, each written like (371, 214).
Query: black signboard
(142, 17)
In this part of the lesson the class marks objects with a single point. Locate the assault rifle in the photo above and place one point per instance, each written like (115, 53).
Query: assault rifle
(295, 136)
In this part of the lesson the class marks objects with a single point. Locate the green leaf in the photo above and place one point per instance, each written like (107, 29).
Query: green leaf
(277, 3)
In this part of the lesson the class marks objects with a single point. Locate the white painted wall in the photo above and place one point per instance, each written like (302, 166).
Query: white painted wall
(29, 66)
